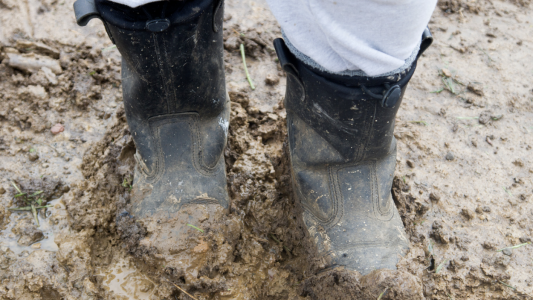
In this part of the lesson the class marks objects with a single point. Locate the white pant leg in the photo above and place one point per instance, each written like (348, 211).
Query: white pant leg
(351, 37)
(376, 37)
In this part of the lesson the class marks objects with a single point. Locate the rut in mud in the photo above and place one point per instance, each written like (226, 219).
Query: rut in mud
(463, 180)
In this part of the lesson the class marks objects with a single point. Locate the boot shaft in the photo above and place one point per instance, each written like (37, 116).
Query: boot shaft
(355, 115)
(172, 57)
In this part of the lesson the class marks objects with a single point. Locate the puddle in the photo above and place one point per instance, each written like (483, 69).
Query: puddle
(126, 282)
(9, 239)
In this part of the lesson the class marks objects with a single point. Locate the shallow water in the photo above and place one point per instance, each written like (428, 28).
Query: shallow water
(9, 239)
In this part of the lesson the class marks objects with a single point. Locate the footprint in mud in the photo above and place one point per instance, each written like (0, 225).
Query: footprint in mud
(125, 281)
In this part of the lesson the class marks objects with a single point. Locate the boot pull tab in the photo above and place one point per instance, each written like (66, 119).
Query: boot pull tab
(389, 99)
(85, 10)
(427, 40)
(157, 25)
(285, 58)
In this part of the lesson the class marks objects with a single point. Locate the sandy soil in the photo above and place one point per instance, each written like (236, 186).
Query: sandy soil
(463, 180)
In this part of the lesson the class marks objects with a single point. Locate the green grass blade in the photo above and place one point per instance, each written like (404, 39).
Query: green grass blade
(190, 225)
(441, 266)
(514, 247)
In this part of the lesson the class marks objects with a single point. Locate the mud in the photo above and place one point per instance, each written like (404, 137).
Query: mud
(463, 182)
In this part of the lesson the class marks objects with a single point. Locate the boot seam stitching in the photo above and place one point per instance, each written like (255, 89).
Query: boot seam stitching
(161, 71)
(198, 160)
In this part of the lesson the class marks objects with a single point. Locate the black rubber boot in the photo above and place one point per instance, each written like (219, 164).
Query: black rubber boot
(343, 155)
(175, 100)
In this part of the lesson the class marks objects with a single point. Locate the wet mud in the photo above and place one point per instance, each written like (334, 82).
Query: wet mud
(463, 183)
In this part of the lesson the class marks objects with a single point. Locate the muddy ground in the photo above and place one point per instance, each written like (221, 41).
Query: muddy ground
(463, 180)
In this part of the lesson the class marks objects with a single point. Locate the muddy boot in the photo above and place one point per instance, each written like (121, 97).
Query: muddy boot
(343, 155)
(176, 107)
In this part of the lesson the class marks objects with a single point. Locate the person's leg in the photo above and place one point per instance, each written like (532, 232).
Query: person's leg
(341, 121)
(373, 36)
(176, 107)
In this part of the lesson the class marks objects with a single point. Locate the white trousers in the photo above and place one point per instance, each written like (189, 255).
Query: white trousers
(350, 37)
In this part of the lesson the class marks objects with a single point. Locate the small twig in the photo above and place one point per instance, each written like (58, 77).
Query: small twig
(382, 293)
(489, 141)
(490, 58)
(181, 289)
(467, 118)
(190, 225)
(509, 193)
(514, 247)
(419, 122)
(238, 33)
(28, 208)
(450, 296)
(275, 239)
(246, 68)
(108, 48)
(507, 285)
(34, 212)
(16, 187)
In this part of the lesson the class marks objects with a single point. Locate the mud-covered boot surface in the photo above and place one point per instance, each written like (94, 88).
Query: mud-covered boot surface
(177, 111)
(343, 156)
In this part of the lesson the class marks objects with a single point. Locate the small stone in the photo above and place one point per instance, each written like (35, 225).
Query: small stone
(507, 252)
(36, 246)
(410, 163)
(479, 209)
(58, 128)
(525, 239)
(271, 79)
(28, 232)
(446, 72)
(2, 190)
(33, 156)
(450, 156)
(434, 197)
(467, 213)
(488, 245)
(486, 209)
(476, 88)
(518, 163)
(484, 118)
(201, 247)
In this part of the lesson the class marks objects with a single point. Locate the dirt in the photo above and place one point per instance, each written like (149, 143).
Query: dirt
(463, 181)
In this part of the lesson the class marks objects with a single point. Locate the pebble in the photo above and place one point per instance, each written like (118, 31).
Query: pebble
(33, 156)
(271, 79)
(36, 246)
(434, 197)
(525, 239)
(476, 88)
(450, 156)
(446, 72)
(58, 128)
(507, 252)
(2, 190)
(410, 163)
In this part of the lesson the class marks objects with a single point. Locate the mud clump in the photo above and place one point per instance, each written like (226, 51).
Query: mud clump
(29, 233)
(380, 284)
